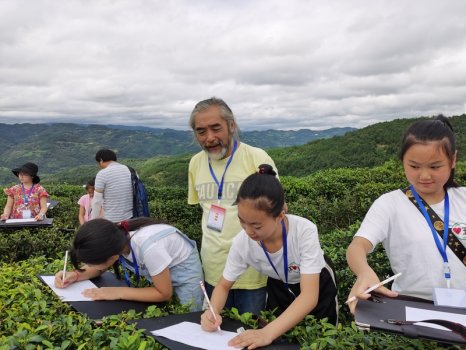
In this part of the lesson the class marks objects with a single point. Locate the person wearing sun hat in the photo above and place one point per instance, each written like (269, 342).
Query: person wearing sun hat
(27, 199)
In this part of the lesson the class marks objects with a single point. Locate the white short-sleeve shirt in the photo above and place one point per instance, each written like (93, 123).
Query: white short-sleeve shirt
(406, 236)
(159, 254)
(305, 255)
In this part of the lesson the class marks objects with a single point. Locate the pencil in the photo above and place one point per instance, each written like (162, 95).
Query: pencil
(208, 301)
(64, 267)
(375, 286)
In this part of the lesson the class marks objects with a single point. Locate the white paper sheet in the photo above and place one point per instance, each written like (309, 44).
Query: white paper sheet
(414, 314)
(192, 334)
(14, 221)
(72, 292)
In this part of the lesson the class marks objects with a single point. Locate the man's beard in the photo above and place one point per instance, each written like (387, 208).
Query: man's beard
(221, 154)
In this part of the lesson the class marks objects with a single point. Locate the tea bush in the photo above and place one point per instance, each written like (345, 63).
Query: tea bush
(31, 317)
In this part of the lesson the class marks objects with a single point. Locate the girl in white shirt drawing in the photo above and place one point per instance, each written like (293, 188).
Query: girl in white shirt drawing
(285, 248)
(158, 252)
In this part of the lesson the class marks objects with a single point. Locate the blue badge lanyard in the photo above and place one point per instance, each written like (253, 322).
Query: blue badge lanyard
(26, 198)
(441, 248)
(285, 257)
(135, 266)
(220, 185)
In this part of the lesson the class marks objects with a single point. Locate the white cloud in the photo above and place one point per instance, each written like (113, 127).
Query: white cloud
(309, 64)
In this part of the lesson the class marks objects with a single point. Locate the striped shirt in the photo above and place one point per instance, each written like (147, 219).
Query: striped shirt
(115, 183)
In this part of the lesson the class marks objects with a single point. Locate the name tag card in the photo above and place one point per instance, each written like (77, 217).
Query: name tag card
(216, 218)
(450, 297)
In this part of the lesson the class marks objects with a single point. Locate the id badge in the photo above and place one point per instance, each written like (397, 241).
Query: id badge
(26, 214)
(216, 218)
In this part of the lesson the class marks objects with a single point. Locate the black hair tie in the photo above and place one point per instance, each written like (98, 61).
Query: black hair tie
(266, 169)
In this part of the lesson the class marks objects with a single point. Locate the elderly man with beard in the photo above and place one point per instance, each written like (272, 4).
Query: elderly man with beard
(215, 175)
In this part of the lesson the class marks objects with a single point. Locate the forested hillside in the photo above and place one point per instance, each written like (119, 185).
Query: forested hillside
(367, 147)
(61, 147)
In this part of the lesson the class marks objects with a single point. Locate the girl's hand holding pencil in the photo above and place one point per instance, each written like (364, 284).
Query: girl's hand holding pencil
(64, 279)
(210, 321)
(71, 277)
(367, 283)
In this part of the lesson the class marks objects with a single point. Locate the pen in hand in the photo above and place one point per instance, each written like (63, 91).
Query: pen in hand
(208, 302)
(64, 267)
(375, 286)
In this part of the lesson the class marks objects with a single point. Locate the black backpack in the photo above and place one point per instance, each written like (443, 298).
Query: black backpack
(140, 197)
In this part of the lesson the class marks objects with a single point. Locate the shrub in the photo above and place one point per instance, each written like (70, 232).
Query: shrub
(337, 200)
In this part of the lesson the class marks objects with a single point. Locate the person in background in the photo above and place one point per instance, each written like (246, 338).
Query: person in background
(284, 247)
(215, 175)
(85, 202)
(158, 252)
(113, 190)
(396, 220)
(27, 199)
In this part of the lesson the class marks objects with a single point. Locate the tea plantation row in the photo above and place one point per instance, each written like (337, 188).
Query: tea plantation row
(31, 317)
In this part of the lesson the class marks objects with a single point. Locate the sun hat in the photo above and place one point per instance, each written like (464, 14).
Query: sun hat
(28, 168)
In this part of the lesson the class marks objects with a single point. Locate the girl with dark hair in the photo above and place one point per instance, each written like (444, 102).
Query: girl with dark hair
(417, 225)
(162, 254)
(283, 247)
(85, 203)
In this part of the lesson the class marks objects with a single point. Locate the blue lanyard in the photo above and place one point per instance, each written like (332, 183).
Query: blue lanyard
(285, 258)
(123, 263)
(26, 199)
(220, 185)
(441, 248)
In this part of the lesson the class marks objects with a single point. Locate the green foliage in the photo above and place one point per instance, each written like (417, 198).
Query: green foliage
(337, 200)
(34, 318)
(367, 147)
(22, 244)
(65, 152)
(319, 334)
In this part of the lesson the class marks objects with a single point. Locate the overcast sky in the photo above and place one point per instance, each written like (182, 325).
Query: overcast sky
(286, 64)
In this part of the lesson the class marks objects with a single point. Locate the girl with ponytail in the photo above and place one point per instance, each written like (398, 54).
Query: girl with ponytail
(423, 226)
(283, 247)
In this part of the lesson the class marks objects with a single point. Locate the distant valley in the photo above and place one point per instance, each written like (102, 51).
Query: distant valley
(61, 146)
(65, 152)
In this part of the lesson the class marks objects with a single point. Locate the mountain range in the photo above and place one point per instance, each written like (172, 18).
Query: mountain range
(57, 147)
(65, 152)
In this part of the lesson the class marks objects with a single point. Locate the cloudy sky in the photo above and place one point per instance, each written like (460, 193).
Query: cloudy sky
(278, 64)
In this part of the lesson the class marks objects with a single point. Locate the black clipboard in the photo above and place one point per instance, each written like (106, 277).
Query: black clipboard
(98, 309)
(152, 324)
(51, 203)
(372, 315)
(47, 222)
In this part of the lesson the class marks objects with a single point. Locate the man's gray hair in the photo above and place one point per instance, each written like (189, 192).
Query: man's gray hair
(225, 112)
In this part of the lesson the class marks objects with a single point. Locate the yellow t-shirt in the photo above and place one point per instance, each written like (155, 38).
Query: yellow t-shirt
(202, 189)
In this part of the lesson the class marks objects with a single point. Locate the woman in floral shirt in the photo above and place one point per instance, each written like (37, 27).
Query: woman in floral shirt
(28, 199)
